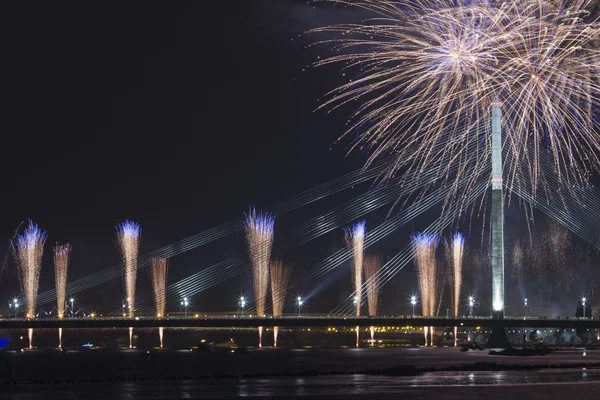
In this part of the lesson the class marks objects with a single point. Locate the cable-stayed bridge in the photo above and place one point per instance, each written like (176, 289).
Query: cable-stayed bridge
(574, 208)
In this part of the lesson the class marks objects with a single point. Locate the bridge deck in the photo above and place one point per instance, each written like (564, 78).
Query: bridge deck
(230, 322)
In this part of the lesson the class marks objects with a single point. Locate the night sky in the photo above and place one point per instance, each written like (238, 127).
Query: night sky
(178, 115)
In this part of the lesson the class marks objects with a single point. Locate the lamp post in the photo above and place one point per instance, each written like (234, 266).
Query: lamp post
(471, 305)
(14, 303)
(299, 302)
(525, 307)
(185, 303)
(242, 304)
(413, 302)
(583, 300)
(72, 301)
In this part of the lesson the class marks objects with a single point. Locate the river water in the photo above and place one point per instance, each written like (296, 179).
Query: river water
(463, 385)
(285, 374)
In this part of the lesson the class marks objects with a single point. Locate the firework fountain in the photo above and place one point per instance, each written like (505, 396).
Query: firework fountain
(158, 275)
(373, 264)
(280, 277)
(355, 240)
(29, 249)
(62, 253)
(259, 236)
(454, 257)
(425, 245)
(128, 237)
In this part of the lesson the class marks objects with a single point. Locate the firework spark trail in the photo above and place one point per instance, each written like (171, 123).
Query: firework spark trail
(280, 277)
(425, 260)
(355, 240)
(62, 254)
(29, 250)
(518, 260)
(259, 236)
(8, 253)
(429, 68)
(425, 247)
(128, 238)
(558, 241)
(454, 257)
(373, 264)
(549, 259)
(158, 274)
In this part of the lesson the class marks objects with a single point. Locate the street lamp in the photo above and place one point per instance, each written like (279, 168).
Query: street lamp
(242, 304)
(185, 303)
(471, 305)
(583, 300)
(525, 307)
(72, 301)
(413, 301)
(299, 300)
(14, 303)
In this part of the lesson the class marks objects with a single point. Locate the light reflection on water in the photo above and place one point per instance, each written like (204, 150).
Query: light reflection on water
(300, 387)
(372, 384)
(358, 383)
(338, 385)
(503, 377)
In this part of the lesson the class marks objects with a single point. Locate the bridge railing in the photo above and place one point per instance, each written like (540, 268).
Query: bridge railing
(294, 317)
